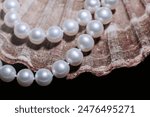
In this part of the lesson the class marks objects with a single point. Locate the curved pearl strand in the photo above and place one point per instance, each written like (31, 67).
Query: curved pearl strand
(70, 27)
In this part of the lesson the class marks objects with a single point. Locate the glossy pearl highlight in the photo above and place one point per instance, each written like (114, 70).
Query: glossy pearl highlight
(95, 28)
(85, 42)
(37, 36)
(43, 77)
(11, 18)
(21, 30)
(103, 14)
(11, 5)
(74, 57)
(70, 27)
(112, 4)
(83, 17)
(7, 73)
(92, 5)
(60, 69)
(54, 34)
(25, 77)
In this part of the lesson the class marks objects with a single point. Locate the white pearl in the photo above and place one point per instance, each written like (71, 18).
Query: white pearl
(1, 64)
(112, 4)
(70, 27)
(92, 5)
(37, 36)
(11, 18)
(85, 42)
(103, 14)
(60, 69)
(54, 34)
(25, 77)
(21, 30)
(95, 28)
(83, 17)
(43, 77)
(74, 57)
(7, 73)
(11, 4)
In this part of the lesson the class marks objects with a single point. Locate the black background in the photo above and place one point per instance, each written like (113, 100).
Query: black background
(123, 83)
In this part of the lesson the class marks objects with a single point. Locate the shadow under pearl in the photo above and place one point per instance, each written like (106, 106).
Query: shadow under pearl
(18, 42)
(48, 45)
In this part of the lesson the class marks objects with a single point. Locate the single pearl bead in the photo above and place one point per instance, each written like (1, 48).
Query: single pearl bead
(11, 18)
(43, 77)
(11, 4)
(21, 30)
(60, 69)
(54, 34)
(112, 4)
(25, 77)
(74, 57)
(85, 42)
(37, 36)
(1, 64)
(103, 14)
(7, 73)
(92, 5)
(70, 27)
(95, 28)
(83, 17)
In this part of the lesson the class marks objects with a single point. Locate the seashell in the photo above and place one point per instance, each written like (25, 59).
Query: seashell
(125, 42)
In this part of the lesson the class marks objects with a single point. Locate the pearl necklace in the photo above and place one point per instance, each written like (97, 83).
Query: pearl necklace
(70, 27)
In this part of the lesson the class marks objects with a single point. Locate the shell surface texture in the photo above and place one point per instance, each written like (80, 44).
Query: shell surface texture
(125, 42)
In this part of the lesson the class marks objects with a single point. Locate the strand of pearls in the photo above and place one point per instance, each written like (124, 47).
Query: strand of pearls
(74, 57)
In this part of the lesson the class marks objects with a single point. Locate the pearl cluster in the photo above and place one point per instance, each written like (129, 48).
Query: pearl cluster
(101, 10)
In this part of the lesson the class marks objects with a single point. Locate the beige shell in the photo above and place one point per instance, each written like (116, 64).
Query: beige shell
(126, 41)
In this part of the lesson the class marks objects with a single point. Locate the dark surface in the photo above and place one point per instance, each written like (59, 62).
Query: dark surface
(124, 83)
